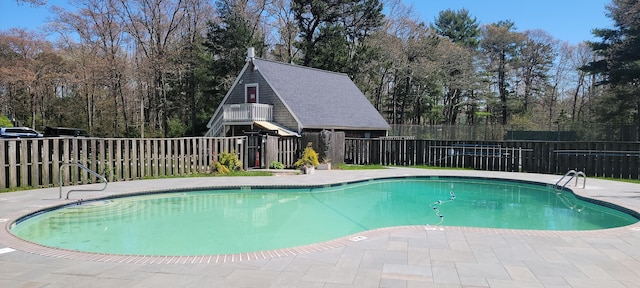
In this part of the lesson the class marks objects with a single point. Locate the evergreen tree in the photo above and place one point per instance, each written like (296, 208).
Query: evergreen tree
(457, 61)
(227, 43)
(459, 27)
(333, 33)
(500, 45)
(619, 63)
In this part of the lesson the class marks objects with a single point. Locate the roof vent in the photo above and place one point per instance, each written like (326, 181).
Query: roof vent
(251, 54)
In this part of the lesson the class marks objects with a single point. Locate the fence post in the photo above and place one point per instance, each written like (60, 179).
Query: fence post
(242, 142)
(519, 159)
(13, 165)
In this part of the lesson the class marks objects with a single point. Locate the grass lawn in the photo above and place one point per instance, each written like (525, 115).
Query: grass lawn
(359, 167)
(635, 181)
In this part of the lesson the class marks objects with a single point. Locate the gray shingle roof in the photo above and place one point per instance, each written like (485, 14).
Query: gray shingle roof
(321, 98)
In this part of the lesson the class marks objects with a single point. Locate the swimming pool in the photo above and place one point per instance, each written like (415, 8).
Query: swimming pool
(248, 219)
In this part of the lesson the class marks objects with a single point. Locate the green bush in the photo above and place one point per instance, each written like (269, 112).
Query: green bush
(309, 158)
(176, 128)
(276, 165)
(220, 169)
(227, 162)
(5, 122)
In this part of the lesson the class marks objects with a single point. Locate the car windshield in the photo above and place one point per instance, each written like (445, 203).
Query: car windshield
(19, 130)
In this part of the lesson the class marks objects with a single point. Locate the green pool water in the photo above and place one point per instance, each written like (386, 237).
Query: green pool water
(245, 220)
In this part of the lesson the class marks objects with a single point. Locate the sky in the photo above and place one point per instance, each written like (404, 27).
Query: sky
(565, 20)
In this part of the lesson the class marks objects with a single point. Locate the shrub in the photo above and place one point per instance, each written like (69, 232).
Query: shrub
(176, 128)
(309, 158)
(227, 162)
(5, 122)
(276, 165)
(221, 169)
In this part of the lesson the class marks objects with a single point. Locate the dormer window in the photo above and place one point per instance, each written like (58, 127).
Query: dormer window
(251, 93)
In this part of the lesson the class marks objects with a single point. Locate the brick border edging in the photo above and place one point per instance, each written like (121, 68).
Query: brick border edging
(34, 248)
(14, 242)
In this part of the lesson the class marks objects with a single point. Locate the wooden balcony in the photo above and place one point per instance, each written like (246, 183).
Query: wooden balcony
(247, 112)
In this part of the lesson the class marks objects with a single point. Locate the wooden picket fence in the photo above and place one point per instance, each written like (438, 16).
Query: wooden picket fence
(603, 159)
(285, 150)
(37, 162)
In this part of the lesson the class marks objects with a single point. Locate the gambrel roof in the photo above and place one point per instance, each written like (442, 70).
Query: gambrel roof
(320, 99)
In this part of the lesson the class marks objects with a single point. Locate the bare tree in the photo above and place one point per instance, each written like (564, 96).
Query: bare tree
(28, 59)
(283, 25)
(33, 2)
(154, 25)
(559, 79)
(100, 51)
(584, 85)
(455, 64)
(535, 61)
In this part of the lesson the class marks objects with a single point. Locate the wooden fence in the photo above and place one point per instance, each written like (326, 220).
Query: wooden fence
(36, 162)
(602, 159)
(288, 150)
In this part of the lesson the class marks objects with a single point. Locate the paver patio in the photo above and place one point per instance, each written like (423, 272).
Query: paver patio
(397, 257)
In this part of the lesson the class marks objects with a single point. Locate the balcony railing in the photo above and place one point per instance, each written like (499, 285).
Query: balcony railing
(247, 112)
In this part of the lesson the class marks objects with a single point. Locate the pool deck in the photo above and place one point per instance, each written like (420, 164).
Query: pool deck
(414, 256)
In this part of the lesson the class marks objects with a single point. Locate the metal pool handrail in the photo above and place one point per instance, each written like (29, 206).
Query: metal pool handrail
(86, 169)
(573, 174)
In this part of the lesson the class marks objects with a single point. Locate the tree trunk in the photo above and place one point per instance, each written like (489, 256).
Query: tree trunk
(379, 90)
(637, 118)
(404, 100)
(191, 88)
(33, 108)
(575, 96)
(502, 87)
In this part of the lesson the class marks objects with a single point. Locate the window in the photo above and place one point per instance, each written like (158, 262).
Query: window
(251, 93)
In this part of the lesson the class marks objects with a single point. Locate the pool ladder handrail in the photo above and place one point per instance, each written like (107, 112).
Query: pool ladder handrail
(572, 174)
(94, 173)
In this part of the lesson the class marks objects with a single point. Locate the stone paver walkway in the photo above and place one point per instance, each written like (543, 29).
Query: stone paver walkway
(396, 257)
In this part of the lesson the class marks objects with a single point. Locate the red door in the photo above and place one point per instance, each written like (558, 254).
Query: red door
(252, 95)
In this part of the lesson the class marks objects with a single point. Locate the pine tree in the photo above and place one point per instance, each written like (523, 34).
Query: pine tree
(227, 42)
(333, 33)
(459, 27)
(619, 50)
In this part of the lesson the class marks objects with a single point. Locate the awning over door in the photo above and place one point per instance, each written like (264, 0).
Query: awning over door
(275, 127)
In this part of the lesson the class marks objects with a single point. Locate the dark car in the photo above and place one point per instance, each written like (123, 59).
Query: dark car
(64, 132)
(19, 132)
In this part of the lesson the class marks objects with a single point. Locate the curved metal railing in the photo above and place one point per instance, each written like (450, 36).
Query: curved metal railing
(94, 173)
(572, 174)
